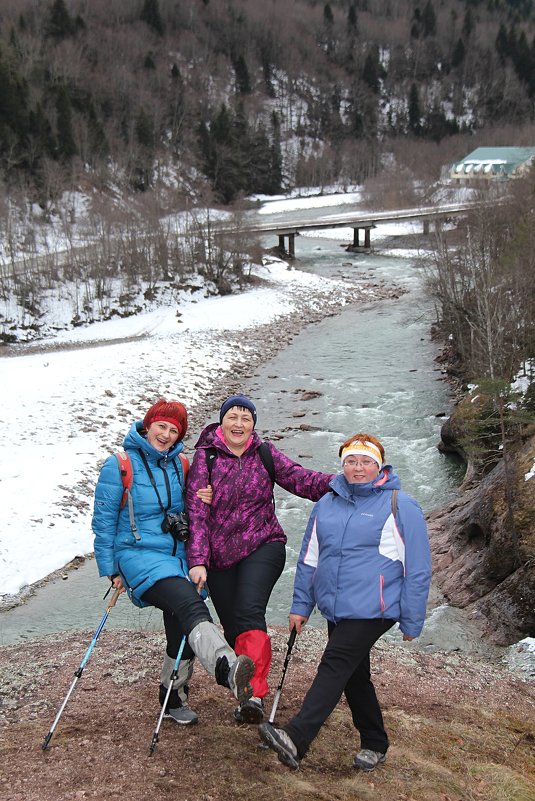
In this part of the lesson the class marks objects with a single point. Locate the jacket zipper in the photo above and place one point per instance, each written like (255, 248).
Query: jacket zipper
(381, 585)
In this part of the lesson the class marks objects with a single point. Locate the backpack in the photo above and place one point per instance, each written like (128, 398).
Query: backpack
(127, 474)
(263, 451)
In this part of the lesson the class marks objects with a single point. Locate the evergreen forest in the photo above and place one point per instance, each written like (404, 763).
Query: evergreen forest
(219, 99)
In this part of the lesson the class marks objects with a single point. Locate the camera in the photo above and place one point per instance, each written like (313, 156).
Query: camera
(177, 525)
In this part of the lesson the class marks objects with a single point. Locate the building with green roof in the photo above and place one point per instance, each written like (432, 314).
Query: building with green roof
(487, 164)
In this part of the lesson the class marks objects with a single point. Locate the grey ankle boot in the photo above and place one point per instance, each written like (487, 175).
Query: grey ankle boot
(219, 660)
(177, 707)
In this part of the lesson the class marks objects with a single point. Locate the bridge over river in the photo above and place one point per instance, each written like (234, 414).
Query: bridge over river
(317, 219)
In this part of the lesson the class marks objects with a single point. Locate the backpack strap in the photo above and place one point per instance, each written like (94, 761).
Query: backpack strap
(127, 477)
(127, 474)
(184, 461)
(264, 452)
(210, 454)
(394, 502)
(267, 460)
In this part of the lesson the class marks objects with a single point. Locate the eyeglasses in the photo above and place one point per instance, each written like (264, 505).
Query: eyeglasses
(362, 462)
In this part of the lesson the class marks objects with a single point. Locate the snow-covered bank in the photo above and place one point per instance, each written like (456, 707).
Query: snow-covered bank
(65, 409)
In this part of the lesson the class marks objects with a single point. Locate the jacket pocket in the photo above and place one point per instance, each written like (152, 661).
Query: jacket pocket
(128, 539)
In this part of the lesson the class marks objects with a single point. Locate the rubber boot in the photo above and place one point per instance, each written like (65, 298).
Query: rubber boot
(219, 660)
(177, 707)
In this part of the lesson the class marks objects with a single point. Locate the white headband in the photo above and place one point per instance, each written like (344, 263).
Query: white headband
(359, 448)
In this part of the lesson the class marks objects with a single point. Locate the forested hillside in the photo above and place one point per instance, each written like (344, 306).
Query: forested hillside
(220, 98)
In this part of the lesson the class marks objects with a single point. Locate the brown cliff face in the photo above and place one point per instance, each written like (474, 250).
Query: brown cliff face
(483, 547)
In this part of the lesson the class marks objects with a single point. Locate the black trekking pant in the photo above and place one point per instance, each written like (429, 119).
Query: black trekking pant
(240, 593)
(344, 668)
(183, 609)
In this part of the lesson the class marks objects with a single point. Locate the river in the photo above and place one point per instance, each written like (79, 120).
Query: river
(372, 367)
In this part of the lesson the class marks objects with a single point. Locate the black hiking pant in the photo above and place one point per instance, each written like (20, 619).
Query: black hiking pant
(183, 609)
(240, 593)
(344, 668)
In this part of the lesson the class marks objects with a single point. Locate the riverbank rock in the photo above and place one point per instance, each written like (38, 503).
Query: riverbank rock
(483, 546)
(459, 728)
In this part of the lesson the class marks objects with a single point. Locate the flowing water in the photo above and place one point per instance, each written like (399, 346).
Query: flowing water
(373, 369)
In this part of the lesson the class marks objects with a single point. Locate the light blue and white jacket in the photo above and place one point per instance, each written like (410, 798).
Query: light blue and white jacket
(152, 554)
(358, 562)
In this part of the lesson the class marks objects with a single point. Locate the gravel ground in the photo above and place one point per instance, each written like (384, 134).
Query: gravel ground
(460, 729)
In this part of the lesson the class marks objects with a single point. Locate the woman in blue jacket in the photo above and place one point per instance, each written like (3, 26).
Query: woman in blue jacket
(365, 562)
(139, 546)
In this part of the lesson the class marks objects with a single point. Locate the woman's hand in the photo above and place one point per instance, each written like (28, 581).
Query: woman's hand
(205, 494)
(197, 575)
(117, 583)
(297, 622)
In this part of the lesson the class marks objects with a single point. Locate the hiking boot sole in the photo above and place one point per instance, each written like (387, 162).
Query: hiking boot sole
(273, 742)
(250, 713)
(240, 677)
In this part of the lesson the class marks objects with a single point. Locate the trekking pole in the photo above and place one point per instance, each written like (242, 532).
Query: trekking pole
(174, 674)
(80, 670)
(291, 640)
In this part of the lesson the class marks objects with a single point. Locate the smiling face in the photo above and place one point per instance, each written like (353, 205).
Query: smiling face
(162, 435)
(360, 469)
(237, 426)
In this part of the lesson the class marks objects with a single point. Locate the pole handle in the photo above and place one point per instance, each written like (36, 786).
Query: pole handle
(291, 638)
(114, 598)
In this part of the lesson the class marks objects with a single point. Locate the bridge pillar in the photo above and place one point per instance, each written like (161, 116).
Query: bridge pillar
(281, 243)
(291, 245)
(356, 246)
(426, 225)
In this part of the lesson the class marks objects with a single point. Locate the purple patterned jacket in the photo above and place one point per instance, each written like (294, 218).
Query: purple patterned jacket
(242, 515)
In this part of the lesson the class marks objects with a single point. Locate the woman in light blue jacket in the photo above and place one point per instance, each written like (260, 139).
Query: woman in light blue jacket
(365, 563)
(139, 546)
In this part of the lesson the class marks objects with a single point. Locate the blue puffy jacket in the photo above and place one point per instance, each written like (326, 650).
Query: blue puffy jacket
(357, 562)
(155, 555)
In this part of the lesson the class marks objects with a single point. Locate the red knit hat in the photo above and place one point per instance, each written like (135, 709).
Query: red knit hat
(170, 412)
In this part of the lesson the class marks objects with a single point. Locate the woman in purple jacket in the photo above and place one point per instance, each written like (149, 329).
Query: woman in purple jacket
(237, 545)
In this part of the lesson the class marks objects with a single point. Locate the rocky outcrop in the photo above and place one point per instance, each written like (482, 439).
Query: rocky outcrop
(483, 546)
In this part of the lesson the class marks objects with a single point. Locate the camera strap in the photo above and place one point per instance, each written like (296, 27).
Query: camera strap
(153, 482)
